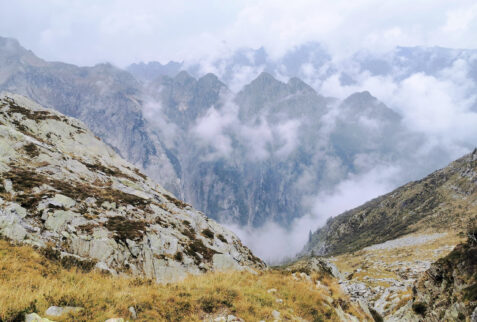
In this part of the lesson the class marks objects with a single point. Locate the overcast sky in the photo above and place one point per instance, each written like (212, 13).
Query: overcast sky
(86, 32)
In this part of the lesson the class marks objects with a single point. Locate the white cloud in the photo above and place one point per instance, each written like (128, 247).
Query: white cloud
(120, 31)
(211, 129)
(354, 191)
(274, 243)
(259, 139)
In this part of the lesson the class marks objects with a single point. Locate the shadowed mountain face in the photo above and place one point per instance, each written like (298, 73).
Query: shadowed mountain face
(250, 158)
(258, 155)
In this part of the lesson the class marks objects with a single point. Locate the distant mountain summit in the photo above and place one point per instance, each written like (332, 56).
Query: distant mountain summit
(257, 155)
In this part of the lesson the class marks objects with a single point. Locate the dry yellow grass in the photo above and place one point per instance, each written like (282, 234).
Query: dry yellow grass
(31, 283)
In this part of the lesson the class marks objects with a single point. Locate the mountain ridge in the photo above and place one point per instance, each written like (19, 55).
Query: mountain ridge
(403, 210)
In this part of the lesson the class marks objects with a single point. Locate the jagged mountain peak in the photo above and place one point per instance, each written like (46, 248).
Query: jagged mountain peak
(265, 79)
(62, 186)
(152, 70)
(295, 84)
(184, 77)
(12, 53)
(210, 78)
(11, 45)
(364, 104)
(359, 97)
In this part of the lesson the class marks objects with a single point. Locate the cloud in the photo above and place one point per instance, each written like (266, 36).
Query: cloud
(354, 191)
(259, 140)
(153, 113)
(274, 243)
(211, 129)
(440, 106)
(122, 32)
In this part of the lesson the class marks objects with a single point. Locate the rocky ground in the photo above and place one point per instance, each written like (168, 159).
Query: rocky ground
(383, 275)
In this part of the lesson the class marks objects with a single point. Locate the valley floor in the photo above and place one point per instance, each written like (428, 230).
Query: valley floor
(30, 282)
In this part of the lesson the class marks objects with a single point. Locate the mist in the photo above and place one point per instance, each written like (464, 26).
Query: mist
(437, 102)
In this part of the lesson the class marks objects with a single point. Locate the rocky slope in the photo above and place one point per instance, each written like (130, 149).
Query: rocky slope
(64, 189)
(389, 250)
(447, 291)
(383, 275)
(445, 200)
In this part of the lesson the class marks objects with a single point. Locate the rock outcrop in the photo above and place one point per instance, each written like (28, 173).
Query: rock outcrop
(447, 291)
(64, 190)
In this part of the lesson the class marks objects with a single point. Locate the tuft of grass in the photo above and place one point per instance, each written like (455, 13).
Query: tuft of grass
(208, 233)
(30, 282)
(179, 204)
(32, 150)
(419, 308)
(124, 228)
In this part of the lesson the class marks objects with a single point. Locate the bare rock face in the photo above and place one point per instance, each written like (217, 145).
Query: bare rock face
(63, 189)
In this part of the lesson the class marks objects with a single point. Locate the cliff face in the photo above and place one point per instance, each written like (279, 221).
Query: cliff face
(445, 200)
(63, 189)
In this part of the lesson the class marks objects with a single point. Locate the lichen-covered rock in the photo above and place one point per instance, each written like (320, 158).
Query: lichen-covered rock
(64, 188)
(314, 264)
(62, 310)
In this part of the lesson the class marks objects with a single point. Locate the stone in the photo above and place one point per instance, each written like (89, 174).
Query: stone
(115, 320)
(7, 184)
(276, 314)
(17, 210)
(132, 310)
(10, 227)
(108, 205)
(272, 290)
(62, 201)
(33, 317)
(223, 262)
(473, 317)
(59, 218)
(279, 301)
(220, 319)
(62, 310)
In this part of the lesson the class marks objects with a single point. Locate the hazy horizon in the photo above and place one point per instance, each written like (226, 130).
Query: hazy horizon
(88, 32)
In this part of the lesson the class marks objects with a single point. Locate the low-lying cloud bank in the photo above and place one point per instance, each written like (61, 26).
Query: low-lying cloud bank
(274, 243)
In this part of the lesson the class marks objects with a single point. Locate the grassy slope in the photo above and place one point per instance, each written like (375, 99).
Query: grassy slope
(29, 282)
(446, 200)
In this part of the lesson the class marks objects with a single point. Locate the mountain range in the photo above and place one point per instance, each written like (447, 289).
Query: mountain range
(75, 142)
(249, 157)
